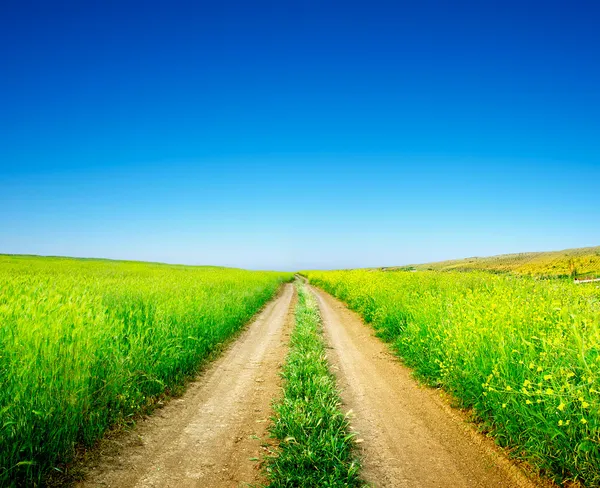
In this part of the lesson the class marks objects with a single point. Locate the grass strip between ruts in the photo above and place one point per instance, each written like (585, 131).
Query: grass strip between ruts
(315, 441)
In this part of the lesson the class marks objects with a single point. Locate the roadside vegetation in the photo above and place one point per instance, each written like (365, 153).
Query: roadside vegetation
(524, 354)
(87, 344)
(315, 441)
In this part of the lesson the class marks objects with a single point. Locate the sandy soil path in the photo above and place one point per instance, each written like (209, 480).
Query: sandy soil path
(211, 435)
(412, 438)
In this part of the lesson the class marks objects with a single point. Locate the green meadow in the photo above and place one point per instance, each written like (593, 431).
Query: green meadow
(88, 344)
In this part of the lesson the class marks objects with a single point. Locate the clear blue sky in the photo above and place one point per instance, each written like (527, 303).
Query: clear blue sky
(298, 134)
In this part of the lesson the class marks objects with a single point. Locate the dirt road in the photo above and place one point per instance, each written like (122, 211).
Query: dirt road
(411, 437)
(212, 435)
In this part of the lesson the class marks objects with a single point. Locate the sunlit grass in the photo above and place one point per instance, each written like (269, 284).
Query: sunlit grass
(85, 344)
(315, 441)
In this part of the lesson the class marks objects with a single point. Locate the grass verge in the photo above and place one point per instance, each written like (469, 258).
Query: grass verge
(315, 441)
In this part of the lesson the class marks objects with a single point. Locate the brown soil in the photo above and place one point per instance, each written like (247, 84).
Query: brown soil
(213, 435)
(412, 438)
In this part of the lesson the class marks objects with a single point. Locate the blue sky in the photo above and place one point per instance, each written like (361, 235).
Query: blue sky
(295, 135)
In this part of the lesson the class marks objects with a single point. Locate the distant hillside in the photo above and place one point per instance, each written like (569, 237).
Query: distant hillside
(581, 262)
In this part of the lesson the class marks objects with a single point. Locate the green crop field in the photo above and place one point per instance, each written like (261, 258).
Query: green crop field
(523, 353)
(86, 344)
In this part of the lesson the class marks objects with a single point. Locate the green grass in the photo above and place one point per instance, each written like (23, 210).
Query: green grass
(523, 353)
(315, 442)
(87, 344)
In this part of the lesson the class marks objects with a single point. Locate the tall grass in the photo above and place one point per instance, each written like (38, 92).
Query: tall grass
(523, 353)
(86, 344)
(315, 443)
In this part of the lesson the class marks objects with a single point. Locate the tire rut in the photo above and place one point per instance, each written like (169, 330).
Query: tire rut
(411, 437)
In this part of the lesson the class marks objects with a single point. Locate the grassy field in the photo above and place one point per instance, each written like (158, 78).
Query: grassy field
(581, 262)
(315, 442)
(524, 354)
(86, 344)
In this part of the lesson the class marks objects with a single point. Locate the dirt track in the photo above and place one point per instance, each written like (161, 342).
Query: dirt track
(212, 435)
(411, 437)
